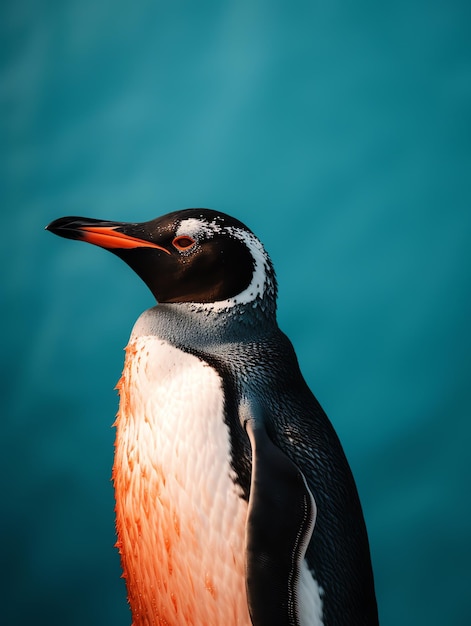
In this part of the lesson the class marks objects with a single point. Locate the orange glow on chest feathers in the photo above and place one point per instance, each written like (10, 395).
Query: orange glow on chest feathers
(179, 517)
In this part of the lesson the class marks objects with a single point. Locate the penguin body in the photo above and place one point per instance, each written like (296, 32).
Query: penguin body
(234, 501)
(180, 518)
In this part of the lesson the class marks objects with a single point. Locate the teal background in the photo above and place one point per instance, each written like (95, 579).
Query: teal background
(340, 133)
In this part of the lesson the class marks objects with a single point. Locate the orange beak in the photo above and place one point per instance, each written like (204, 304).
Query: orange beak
(109, 235)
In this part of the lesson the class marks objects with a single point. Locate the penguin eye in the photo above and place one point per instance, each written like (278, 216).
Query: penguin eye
(184, 242)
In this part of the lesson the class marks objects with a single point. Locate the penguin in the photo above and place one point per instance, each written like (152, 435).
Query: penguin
(235, 503)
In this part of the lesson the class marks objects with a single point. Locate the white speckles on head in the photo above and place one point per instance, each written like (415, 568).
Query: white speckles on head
(199, 228)
(257, 286)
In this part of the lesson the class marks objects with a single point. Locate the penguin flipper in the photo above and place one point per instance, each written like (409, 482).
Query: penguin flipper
(280, 521)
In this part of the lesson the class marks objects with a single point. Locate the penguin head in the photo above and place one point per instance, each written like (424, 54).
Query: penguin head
(197, 256)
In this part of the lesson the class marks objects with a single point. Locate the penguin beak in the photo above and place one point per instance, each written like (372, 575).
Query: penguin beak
(108, 235)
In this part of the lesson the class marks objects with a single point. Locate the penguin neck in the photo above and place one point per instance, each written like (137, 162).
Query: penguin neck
(198, 326)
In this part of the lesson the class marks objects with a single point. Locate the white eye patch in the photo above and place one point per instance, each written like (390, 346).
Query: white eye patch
(193, 227)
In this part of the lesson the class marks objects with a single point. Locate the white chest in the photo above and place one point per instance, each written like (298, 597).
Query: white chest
(180, 519)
